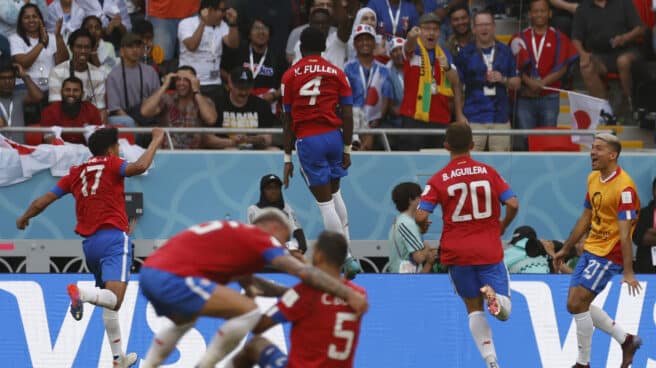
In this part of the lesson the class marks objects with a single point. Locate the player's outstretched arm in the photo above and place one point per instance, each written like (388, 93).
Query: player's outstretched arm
(143, 163)
(322, 281)
(36, 207)
(512, 207)
(257, 286)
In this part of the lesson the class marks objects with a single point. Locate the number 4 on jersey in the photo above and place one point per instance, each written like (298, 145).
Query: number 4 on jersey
(311, 89)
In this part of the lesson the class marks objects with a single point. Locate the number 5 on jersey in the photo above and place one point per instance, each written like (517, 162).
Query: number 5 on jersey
(311, 89)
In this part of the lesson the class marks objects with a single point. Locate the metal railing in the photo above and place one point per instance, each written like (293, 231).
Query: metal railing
(382, 132)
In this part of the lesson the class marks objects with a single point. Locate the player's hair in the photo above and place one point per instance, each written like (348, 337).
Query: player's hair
(102, 140)
(80, 33)
(73, 79)
(312, 40)
(483, 12)
(187, 67)
(458, 8)
(403, 193)
(273, 214)
(333, 246)
(459, 137)
(612, 141)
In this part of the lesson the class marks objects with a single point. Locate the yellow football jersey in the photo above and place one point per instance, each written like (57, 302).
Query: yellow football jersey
(615, 199)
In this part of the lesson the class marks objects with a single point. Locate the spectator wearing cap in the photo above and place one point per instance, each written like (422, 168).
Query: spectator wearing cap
(395, 17)
(644, 236)
(392, 103)
(369, 80)
(461, 32)
(487, 70)
(264, 64)
(202, 38)
(130, 83)
(529, 254)
(271, 196)
(366, 16)
(443, 9)
(295, 34)
(431, 83)
(93, 78)
(186, 107)
(240, 109)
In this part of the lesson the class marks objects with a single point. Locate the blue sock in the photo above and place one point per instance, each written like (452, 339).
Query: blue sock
(272, 357)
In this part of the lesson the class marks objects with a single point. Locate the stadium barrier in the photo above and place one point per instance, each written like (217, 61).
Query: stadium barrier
(414, 321)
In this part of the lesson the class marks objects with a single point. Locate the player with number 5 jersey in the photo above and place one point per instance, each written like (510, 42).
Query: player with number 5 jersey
(470, 194)
(311, 91)
(97, 186)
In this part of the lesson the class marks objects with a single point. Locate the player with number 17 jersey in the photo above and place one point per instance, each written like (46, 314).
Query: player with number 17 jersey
(470, 194)
(311, 90)
(97, 209)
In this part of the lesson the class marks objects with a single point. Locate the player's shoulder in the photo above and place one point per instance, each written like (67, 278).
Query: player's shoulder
(355, 287)
(625, 177)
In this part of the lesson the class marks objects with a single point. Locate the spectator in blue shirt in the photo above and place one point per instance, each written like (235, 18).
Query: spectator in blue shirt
(487, 69)
(395, 17)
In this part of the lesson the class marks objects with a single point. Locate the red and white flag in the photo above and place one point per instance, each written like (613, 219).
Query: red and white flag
(587, 113)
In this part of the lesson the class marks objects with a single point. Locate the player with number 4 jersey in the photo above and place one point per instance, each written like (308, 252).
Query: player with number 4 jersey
(97, 186)
(470, 194)
(311, 90)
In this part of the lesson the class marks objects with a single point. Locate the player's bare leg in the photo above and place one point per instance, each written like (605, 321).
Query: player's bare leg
(260, 351)
(110, 298)
(241, 314)
(579, 300)
(480, 330)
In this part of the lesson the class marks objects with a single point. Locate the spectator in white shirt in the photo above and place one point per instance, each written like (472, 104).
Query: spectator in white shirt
(9, 13)
(112, 13)
(201, 43)
(36, 50)
(295, 34)
(70, 13)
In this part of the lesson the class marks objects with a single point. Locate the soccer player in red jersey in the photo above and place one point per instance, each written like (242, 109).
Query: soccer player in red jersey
(97, 186)
(311, 90)
(471, 194)
(325, 329)
(185, 279)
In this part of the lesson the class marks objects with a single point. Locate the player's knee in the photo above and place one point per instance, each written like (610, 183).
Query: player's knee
(272, 357)
(236, 328)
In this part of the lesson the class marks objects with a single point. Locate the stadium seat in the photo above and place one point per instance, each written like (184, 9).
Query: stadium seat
(542, 143)
(34, 138)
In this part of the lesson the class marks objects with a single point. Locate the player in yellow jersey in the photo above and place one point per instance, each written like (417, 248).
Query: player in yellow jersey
(611, 208)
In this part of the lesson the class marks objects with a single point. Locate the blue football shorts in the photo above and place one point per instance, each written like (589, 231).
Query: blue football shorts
(108, 254)
(593, 272)
(468, 280)
(171, 294)
(321, 157)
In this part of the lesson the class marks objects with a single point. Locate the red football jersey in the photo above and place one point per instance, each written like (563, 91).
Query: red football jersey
(216, 250)
(311, 90)
(97, 186)
(325, 330)
(470, 194)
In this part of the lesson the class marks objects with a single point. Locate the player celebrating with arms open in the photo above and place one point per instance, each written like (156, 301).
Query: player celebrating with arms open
(610, 213)
(97, 186)
(311, 90)
(471, 194)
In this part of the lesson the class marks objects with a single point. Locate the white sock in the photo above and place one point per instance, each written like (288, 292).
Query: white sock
(113, 331)
(602, 321)
(163, 343)
(505, 306)
(584, 330)
(100, 297)
(331, 220)
(340, 207)
(482, 335)
(228, 337)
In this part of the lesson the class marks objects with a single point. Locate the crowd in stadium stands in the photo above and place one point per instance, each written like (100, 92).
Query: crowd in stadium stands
(218, 63)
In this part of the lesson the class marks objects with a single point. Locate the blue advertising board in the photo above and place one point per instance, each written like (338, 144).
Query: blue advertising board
(413, 321)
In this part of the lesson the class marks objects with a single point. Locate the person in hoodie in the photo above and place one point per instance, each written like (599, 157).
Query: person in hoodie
(271, 196)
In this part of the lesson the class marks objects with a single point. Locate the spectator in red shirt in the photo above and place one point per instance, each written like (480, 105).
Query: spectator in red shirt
(71, 111)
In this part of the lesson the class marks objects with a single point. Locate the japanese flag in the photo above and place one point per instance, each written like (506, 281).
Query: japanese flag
(587, 113)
